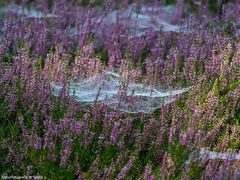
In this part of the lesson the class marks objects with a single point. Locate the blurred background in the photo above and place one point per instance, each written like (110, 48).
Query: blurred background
(214, 6)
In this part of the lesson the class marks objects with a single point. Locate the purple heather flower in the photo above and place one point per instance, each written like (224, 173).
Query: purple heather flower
(183, 138)
(66, 149)
(37, 144)
(148, 173)
(115, 132)
(126, 168)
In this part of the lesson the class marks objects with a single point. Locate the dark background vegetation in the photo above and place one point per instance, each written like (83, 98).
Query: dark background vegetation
(214, 5)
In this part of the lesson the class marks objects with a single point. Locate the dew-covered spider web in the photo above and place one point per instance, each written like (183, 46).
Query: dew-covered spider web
(204, 153)
(109, 88)
(137, 20)
(26, 12)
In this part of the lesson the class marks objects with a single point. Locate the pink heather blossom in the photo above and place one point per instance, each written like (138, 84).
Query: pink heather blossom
(126, 168)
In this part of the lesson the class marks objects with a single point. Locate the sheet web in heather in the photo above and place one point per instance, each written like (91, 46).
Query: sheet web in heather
(110, 89)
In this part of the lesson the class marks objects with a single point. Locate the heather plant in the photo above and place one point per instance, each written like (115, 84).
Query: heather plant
(59, 137)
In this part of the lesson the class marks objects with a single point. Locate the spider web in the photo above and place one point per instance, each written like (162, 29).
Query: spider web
(113, 91)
